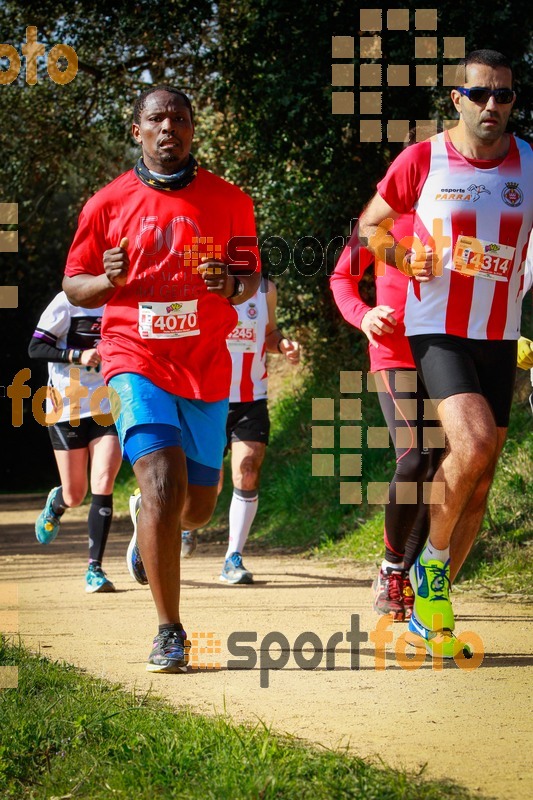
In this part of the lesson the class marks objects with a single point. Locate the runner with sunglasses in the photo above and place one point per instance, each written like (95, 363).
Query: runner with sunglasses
(402, 398)
(480, 95)
(469, 188)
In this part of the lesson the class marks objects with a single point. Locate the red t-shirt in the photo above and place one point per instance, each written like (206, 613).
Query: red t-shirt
(393, 351)
(163, 324)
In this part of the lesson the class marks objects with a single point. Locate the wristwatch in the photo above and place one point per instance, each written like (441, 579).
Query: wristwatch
(238, 289)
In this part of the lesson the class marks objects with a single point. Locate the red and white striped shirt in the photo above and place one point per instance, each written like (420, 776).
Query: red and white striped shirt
(247, 347)
(485, 213)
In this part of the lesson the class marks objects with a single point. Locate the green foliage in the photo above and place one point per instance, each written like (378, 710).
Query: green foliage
(61, 143)
(259, 74)
(502, 557)
(500, 560)
(304, 166)
(68, 735)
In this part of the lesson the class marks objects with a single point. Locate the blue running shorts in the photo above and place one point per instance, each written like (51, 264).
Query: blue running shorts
(196, 426)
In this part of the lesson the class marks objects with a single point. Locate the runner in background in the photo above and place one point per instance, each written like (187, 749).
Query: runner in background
(67, 337)
(406, 523)
(248, 424)
(399, 386)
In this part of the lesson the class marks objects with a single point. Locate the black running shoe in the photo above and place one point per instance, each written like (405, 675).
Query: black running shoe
(170, 652)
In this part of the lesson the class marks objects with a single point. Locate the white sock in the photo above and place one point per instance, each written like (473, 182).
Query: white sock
(242, 513)
(431, 553)
(389, 565)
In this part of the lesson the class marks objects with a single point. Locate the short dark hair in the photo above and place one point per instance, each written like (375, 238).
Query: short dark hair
(160, 87)
(490, 58)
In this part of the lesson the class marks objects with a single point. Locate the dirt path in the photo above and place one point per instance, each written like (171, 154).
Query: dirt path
(472, 726)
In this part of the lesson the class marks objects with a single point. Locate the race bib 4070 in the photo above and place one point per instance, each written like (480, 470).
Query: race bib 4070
(168, 320)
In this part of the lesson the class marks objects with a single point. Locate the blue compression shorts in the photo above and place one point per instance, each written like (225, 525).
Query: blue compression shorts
(151, 418)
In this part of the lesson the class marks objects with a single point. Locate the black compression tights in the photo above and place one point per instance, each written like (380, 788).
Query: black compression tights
(407, 523)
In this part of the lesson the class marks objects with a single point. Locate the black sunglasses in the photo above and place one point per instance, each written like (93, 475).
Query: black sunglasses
(478, 94)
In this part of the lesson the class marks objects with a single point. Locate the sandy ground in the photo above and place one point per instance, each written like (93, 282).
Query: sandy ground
(473, 726)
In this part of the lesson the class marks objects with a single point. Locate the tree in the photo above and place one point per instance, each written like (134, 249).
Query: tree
(60, 143)
(259, 74)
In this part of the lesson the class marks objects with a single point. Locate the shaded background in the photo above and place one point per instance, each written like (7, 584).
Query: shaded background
(259, 76)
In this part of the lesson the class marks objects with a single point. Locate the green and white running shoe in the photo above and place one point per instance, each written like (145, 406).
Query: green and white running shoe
(439, 643)
(431, 584)
(47, 523)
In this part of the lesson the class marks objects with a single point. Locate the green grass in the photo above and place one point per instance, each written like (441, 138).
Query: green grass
(125, 485)
(297, 510)
(67, 735)
(300, 512)
(501, 560)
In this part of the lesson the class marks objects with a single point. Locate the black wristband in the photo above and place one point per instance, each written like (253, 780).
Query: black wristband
(238, 288)
(76, 357)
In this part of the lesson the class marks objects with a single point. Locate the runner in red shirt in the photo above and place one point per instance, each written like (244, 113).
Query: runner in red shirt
(470, 191)
(406, 524)
(169, 249)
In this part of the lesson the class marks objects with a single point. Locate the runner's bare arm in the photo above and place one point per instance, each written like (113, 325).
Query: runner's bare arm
(90, 291)
(375, 224)
(219, 280)
(276, 342)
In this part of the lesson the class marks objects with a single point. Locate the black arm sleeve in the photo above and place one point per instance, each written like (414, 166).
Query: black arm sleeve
(47, 352)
